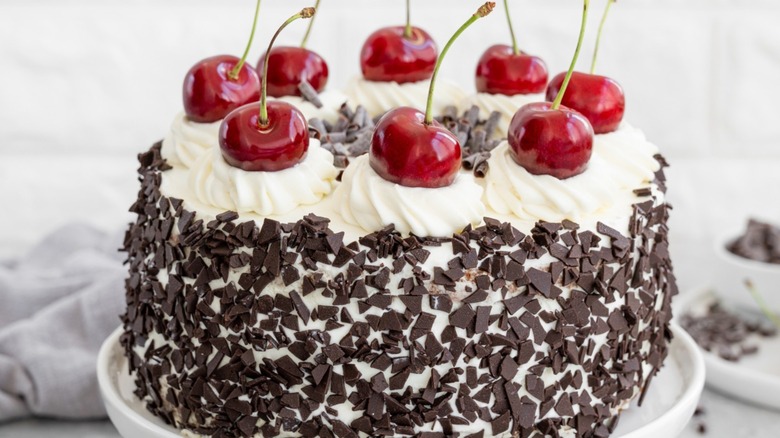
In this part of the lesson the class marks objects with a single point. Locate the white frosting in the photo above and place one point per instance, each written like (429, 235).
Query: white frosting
(331, 103)
(380, 97)
(368, 200)
(187, 140)
(216, 183)
(621, 162)
(631, 157)
(507, 106)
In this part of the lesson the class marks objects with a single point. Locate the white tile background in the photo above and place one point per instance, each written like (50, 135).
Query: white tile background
(86, 84)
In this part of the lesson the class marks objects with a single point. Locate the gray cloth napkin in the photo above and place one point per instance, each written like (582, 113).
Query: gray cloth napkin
(57, 305)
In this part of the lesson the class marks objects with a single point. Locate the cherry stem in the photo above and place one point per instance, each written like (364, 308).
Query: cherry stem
(233, 75)
(566, 80)
(515, 49)
(598, 36)
(308, 28)
(759, 299)
(263, 121)
(483, 11)
(408, 30)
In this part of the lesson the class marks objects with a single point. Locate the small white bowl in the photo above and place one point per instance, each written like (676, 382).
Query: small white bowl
(731, 272)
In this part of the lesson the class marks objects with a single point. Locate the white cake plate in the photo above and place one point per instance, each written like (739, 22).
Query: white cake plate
(668, 406)
(755, 378)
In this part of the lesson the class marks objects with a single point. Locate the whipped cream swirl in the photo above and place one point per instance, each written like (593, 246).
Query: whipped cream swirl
(510, 189)
(371, 202)
(188, 140)
(331, 103)
(505, 105)
(217, 184)
(380, 97)
(630, 156)
(622, 161)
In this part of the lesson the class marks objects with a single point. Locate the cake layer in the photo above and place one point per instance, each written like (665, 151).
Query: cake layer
(241, 327)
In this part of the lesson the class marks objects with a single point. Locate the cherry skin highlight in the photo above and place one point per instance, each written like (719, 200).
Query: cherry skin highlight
(388, 56)
(289, 66)
(600, 99)
(406, 151)
(279, 144)
(501, 71)
(210, 94)
(552, 142)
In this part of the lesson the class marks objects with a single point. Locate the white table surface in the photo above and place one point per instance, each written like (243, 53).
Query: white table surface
(722, 417)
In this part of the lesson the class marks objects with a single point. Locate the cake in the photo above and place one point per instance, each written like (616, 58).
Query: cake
(323, 299)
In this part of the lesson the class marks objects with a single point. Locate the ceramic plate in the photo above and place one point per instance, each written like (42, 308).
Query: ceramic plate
(755, 378)
(667, 408)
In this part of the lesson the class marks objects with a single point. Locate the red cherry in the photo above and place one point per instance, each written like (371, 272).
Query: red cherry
(280, 144)
(210, 93)
(289, 66)
(598, 98)
(406, 151)
(550, 142)
(388, 56)
(501, 71)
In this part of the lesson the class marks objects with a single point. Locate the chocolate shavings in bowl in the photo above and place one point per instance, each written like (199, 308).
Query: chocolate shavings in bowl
(726, 334)
(759, 242)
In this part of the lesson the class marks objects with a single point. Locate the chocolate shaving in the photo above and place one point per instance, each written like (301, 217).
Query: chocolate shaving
(309, 93)
(475, 136)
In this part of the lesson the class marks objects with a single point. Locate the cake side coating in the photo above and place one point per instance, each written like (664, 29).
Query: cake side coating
(235, 328)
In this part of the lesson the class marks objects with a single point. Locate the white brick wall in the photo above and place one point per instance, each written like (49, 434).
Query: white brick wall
(86, 84)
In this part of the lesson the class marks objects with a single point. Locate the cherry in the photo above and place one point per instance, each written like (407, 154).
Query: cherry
(407, 151)
(269, 136)
(215, 86)
(550, 142)
(279, 144)
(550, 139)
(289, 66)
(399, 54)
(410, 148)
(599, 98)
(502, 71)
(507, 70)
